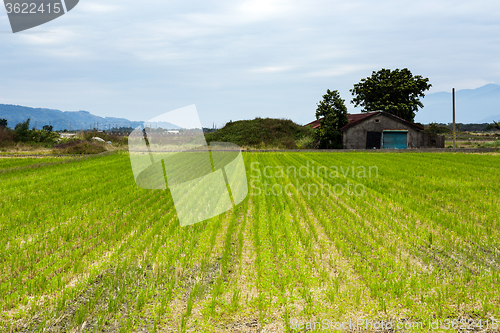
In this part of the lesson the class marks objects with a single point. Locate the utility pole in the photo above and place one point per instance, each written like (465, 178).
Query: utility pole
(454, 133)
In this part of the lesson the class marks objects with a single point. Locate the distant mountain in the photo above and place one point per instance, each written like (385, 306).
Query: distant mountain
(491, 119)
(478, 105)
(63, 120)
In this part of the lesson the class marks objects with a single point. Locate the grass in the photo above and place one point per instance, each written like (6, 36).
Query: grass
(474, 144)
(8, 164)
(82, 246)
(492, 144)
(474, 140)
(80, 147)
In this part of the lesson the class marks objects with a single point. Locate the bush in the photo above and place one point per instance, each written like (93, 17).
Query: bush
(79, 147)
(44, 137)
(261, 133)
(288, 143)
(22, 133)
(6, 137)
(493, 144)
(115, 139)
(63, 141)
(307, 142)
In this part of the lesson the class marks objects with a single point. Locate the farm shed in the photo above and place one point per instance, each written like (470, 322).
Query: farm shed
(382, 130)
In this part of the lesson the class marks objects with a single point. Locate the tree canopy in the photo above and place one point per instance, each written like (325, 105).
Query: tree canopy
(332, 114)
(393, 91)
(22, 131)
(47, 128)
(3, 122)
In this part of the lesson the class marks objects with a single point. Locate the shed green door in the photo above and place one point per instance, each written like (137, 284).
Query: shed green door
(395, 139)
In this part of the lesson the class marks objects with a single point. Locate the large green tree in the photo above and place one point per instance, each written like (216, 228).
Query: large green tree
(393, 91)
(332, 115)
(3, 122)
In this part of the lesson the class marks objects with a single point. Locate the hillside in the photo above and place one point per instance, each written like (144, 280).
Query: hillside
(58, 119)
(263, 133)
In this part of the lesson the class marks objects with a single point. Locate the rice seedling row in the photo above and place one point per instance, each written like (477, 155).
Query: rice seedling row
(83, 248)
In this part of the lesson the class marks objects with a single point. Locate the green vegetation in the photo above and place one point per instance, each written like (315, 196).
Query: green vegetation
(492, 144)
(474, 140)
(263, 133)
(332, 114)
(78, 146)
(22, 138)
(496, 125)
(23, 134)
(393, 91)
(6, 137)
(117, 140)
(434, 128)
(10, 164)
(484, 127)
(82, 248)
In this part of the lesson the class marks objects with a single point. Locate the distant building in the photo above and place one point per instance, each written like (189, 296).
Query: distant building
(382, 130)
(67, 135)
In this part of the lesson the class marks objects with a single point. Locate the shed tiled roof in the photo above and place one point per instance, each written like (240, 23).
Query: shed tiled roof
(370, 114)
(350, 118)
(313, 124)
(356, 118)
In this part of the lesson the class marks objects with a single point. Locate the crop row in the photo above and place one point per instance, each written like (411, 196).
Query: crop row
(82, 246)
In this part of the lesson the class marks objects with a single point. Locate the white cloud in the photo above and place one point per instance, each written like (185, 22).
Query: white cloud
(49, 38)
(340, 70)
(271, 69)
(257, 10)
(226, 56)
(97, 8)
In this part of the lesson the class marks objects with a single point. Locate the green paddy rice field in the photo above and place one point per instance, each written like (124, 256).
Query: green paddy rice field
(323, 239)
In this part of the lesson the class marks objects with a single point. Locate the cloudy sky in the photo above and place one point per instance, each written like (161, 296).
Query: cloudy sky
(243, 58)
